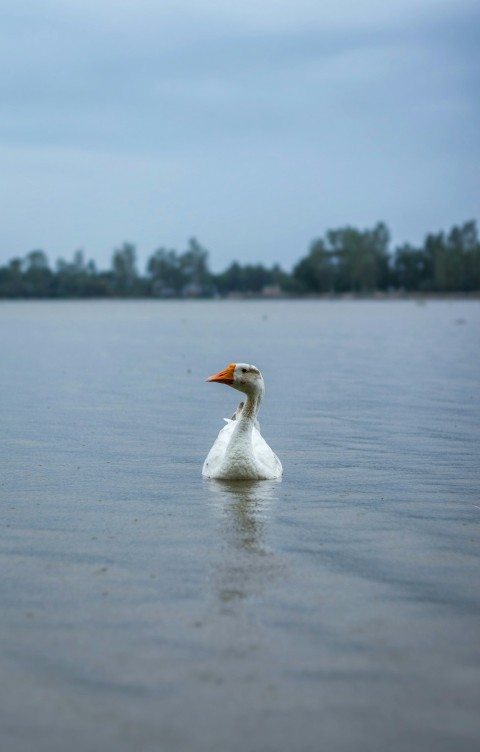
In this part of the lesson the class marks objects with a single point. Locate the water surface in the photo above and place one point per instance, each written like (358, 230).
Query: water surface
(144, 608)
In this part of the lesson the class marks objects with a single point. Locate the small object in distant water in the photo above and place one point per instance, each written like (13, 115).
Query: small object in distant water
(460, 321)
(237, 412)
(240, 452)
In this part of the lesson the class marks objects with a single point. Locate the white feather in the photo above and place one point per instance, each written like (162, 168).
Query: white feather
(240, 452)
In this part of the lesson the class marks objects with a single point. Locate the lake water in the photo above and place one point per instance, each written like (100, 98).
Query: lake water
(144, 608)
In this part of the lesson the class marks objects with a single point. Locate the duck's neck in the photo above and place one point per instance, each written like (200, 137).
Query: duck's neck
(246, 421)
(239, 453)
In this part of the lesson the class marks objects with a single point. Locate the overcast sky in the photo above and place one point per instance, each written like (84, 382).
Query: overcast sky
(253, 126)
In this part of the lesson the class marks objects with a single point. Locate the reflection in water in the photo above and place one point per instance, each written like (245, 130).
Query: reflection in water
(247, 566)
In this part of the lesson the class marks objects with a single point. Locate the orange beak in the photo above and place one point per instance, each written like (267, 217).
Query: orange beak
(224, 377)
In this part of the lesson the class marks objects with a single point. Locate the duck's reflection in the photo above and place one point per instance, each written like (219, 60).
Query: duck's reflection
(247, 564)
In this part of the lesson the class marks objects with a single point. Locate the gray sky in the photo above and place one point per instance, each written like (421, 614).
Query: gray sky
(252, 126)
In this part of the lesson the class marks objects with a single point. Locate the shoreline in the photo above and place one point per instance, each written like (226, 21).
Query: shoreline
(284, 297)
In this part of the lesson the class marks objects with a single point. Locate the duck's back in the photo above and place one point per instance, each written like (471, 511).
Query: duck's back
(261, 463)
(216, 455)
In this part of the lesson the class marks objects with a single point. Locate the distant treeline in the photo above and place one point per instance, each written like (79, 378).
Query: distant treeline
(345, 260)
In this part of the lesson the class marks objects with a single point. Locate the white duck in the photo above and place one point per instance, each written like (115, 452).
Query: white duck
(240, 452)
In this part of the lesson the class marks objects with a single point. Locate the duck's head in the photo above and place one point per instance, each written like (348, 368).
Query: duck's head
(242, 376)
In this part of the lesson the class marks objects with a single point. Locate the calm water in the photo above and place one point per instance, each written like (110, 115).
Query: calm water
(146, 609)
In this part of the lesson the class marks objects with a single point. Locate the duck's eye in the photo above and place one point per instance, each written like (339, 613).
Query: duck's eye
(244, 370)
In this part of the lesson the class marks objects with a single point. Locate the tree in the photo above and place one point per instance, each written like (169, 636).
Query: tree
(462, 258)
(346, 260)
(471, 256)
(37, 277)
(316, 272)
(194, 268)
(410, 268)
(165, 274)
(187, 274)
(435, 253)
(378, 240)
(125, 277)
(229, 280)
(11, 279)
(362, 257)
(256, 277)
(248, 279)
(79, 279)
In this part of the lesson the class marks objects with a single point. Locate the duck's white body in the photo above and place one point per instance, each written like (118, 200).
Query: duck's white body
(240, 452)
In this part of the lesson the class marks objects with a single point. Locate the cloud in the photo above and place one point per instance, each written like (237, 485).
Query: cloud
(253, 125)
